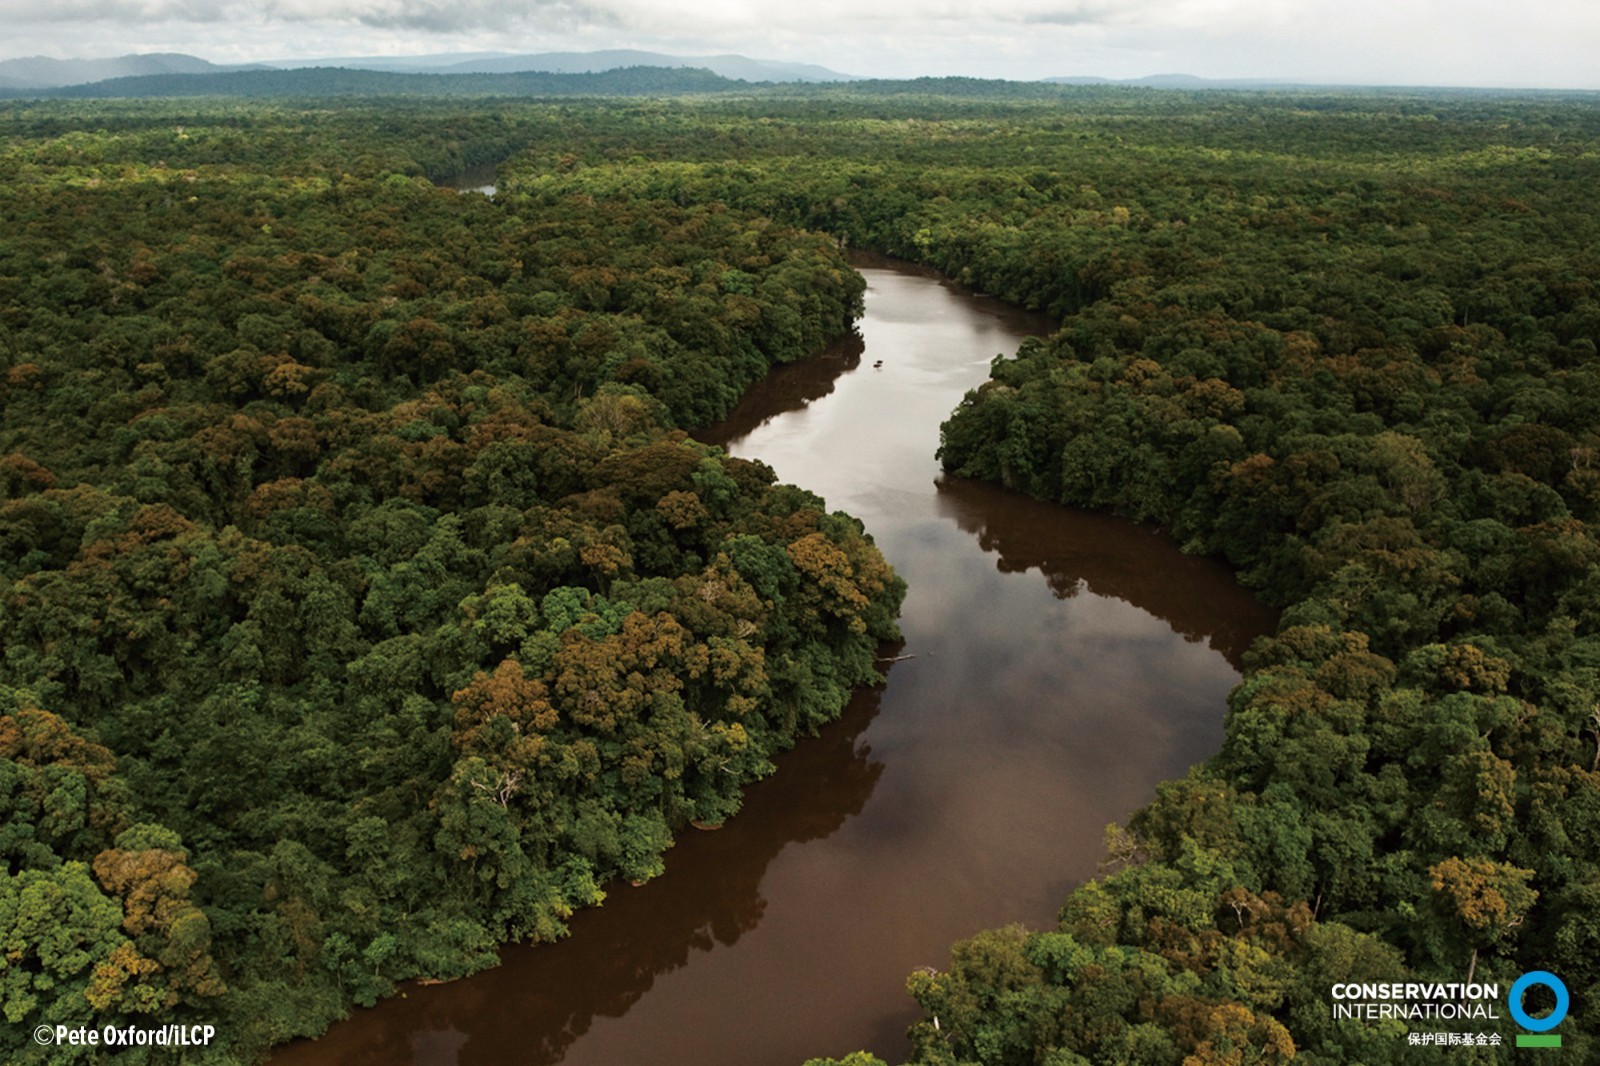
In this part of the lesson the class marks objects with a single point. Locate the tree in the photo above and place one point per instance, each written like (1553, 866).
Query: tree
(1486, 900)
(147, 869)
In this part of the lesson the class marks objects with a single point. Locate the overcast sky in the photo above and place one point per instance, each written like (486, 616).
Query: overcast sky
(1534, 43)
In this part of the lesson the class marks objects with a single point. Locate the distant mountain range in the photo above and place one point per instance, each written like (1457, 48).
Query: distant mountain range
(40, 72)
(1184, 81)
(337, 81)
(735, 67)
(620, 71)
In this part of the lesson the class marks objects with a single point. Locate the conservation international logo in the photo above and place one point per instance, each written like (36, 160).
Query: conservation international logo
(1538, 1029)
(1441, 1004)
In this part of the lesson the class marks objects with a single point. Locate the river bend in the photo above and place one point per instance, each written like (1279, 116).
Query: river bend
(1064, 663)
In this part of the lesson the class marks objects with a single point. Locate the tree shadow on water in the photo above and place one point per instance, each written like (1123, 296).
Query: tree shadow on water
(790, 387)
(1111, 557)
(543, 998)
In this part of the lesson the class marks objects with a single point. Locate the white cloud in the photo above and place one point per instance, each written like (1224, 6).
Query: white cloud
(445, 16)
(1464, 42)
(21, 12)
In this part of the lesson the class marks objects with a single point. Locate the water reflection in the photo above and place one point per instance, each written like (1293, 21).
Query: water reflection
(539, 1001)
(480, 177)
(1078, 551)
(789, 388)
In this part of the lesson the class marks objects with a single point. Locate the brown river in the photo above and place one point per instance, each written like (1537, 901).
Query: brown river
(1063, 664)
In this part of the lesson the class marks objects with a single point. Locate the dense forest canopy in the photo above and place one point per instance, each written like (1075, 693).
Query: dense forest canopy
(364, 604)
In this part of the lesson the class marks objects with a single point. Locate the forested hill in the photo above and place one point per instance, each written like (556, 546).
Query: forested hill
(334, 81)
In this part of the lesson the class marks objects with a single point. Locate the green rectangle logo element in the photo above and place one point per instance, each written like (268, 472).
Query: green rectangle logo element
(1538, 1040)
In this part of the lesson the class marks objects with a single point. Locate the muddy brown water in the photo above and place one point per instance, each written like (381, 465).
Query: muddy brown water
(1065, 663)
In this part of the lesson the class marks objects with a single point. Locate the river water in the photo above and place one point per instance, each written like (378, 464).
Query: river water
(480, 177)
(1064, 663)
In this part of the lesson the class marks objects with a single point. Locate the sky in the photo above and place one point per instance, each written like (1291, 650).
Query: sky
(1531, 44)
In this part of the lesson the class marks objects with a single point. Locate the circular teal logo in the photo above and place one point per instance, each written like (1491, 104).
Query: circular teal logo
(1549, 1021)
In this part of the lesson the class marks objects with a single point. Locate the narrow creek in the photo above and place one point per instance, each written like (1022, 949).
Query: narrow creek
(1064, 663)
